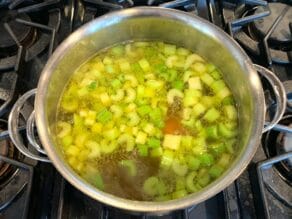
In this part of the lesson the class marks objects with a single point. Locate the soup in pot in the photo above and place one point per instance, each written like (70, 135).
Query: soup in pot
(147, 121)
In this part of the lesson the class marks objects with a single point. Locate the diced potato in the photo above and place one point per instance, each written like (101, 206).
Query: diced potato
(230, 112)
(199, 109)
(199, 146)
(199, 67)
(96, 128)
(171, 141)
(212, 115)
(207, 79)
(195, 83)
(105, 99)
(144, 64)
(141, 138)
(72, 150)
(172, 94)
(125, 66)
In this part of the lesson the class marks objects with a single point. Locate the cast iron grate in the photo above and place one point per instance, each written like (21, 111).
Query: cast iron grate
(264, 165)
(22, 183)
(253, 25)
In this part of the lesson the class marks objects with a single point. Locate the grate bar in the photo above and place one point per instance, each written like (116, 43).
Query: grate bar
(15, 3)
(51, 30)
(269, 33)
(202, 7)
(213, 15)
(173, 4)
(256, 2)
(28, 185)
(41, 6)
(105, 4)
(263, 165)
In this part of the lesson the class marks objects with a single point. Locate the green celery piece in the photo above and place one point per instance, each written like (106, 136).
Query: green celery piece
(118, 50)
(150, 186)
(180, 183)
(169, 49)
(190, 182)
(136, 68)
(206, 159)
(187, 141)
(160, 68)
(99, 182)
(130, 166)
(161, 188)
(230, 112)
(156, 116)
(67, 140)
(167, 158)
(178, 84)
(212, 115)
(217, 86)
(193, 162)
(92, 85)
(116, 83)
(216, 74)
(142, 150)
(215, 171)
(210, 68)
(224, 160)
(226, 132)
(228, 101)
(110, 69)
(149, 52)
(218, 148)
(104, 116)
(229, 146)
(164, 76)
(179, 169)
(69, 104)
(163, 198)
(153, 142)
(179, 194)
(189, 123)
(156, 152)
(144, 110)
(172, 74)
(204, 180)
(212, 132)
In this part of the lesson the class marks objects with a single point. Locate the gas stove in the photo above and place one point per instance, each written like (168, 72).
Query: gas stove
(32, 29)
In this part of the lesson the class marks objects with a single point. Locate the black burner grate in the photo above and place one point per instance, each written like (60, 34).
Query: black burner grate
(253, 25)
(267, 164)
(21, 183)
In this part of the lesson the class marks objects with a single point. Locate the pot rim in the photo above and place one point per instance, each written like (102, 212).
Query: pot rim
(142, 206)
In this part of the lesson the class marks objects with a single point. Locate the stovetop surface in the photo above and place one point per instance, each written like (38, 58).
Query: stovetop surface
(31, 30)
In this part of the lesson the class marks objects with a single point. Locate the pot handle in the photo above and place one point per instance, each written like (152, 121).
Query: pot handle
(13, 124)
(279, 92)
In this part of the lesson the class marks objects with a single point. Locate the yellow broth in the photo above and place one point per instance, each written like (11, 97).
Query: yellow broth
(147, 121)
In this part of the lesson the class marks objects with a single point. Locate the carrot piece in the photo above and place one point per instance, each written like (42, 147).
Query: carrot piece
(172, 126)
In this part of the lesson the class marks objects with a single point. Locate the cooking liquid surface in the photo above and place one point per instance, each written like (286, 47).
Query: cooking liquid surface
(149, 130)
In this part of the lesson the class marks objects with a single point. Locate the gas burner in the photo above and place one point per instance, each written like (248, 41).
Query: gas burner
(32, 27)
(91, 9)
(262, 29)
(7, 149)
(281, 36)
(277, 143)
(8, 46)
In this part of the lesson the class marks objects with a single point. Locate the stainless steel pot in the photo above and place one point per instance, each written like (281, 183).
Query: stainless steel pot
(146, 23)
